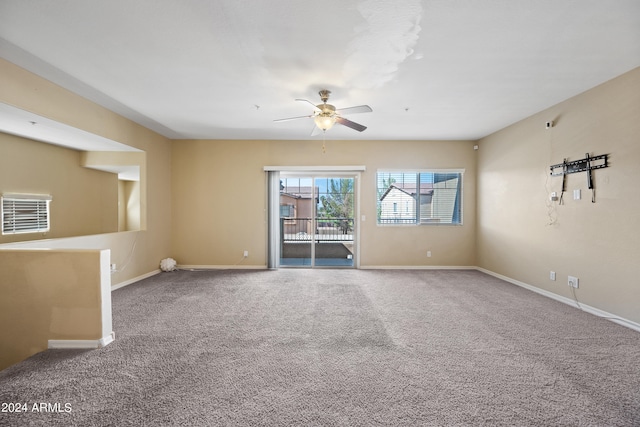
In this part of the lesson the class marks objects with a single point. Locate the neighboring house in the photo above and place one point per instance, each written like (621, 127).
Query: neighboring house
(296, 209)
(445, 203)
(438, 202)
(398, 203)
(297, 212)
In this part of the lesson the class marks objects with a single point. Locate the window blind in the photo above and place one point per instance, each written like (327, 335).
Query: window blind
(419, 197)
(25, 213)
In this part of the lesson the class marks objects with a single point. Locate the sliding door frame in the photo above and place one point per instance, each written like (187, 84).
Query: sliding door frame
(273, 205)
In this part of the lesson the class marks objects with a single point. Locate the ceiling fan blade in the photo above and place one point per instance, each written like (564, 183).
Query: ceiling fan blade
(309, 102)
(293, 118)
(354, 110)
(350, 124)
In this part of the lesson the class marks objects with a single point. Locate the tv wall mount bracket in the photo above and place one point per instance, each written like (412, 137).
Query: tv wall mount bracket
(587, 164)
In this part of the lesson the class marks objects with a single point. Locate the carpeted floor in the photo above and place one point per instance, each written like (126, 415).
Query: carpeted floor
(336, 347)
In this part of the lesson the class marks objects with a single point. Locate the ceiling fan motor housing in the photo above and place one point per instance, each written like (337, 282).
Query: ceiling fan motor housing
(324, 95)
(326, 110)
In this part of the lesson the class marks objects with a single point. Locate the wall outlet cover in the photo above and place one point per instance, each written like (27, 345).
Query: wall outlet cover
(573, 281)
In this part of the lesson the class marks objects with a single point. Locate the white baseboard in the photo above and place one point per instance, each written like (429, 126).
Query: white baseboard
(362, 267)
(222, 267)
(81, 344)
(134, 280)
(584, 307)
(416, 267)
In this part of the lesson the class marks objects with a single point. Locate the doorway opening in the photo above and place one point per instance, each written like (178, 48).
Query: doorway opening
(317, 220)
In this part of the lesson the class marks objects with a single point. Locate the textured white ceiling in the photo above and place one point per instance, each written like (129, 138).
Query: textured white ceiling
(225, 69)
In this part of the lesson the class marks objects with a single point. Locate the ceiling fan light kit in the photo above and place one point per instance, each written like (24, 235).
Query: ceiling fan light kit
(325, 121)
(325, 115)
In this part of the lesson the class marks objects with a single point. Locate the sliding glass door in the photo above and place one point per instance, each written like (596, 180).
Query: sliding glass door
(297, 200)
(317, 221)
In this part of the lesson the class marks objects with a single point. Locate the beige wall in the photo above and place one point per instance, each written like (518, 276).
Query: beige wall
(131, 211)
(508, 233)
(141, 251)
(85, 201)
(51, 295)
(206, 172)
(129, 206)
(523, 236)
(132, 199)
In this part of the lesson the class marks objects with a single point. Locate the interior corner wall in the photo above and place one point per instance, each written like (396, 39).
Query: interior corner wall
(523, 235)
(220, 199)
(132, 199)
(85, 201)
(138, 252)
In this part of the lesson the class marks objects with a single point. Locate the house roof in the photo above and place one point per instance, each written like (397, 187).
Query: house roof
(426, 189)
(298, 192)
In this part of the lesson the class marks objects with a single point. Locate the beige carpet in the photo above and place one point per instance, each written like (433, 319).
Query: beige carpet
(337, 347)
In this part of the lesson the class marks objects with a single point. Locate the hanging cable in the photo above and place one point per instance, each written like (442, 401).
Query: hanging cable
(129, 257)
(564, 181)
(552, 212)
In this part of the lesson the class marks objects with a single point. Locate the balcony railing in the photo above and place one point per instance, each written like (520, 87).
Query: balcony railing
(326, 229)
(423, 220)
(396, 220)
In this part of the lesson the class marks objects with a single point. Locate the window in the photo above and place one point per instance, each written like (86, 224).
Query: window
(429, 197)
(287, 211)
(25, 213)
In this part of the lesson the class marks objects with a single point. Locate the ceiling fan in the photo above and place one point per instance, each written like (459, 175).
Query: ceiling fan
(326, 115)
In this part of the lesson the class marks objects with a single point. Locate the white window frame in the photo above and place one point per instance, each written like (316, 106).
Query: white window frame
(14, 222)
(417, 221)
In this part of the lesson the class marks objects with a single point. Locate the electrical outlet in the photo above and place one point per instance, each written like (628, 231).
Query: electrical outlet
(552, 275)
(428, 254)
(573, 281)
(246, 254)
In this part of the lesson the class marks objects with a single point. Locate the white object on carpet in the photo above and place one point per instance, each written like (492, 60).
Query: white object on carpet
(168, 264)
